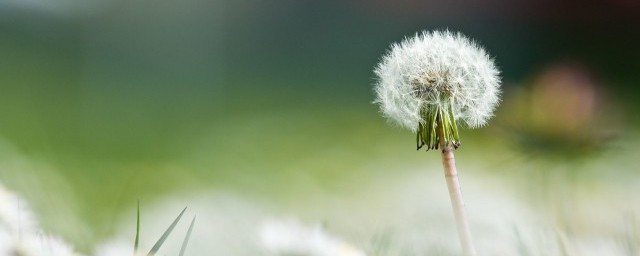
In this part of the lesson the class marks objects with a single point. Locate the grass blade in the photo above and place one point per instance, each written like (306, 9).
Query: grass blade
(186, 238)
(166, 234)
(136, 242)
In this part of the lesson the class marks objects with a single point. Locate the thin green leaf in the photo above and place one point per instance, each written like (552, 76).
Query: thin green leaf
(453, 121)
(419, 137)
(186, 238)
(433, 129)
(166, 234)
(135, 244)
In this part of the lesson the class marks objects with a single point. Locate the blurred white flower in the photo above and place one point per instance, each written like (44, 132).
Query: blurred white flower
(15, 214)
(115, 248)
(227, 225)
(290, 237)
(20, 233)
(34, 244)
(437, 76)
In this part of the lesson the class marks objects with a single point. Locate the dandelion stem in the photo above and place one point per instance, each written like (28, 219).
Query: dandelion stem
(451, 175)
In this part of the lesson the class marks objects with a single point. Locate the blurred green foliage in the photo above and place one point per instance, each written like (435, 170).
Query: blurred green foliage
(134, 100)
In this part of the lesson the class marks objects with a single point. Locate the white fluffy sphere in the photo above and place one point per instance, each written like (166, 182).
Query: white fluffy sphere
(438, 69)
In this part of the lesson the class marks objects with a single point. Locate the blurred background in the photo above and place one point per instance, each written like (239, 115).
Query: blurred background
(107, 102)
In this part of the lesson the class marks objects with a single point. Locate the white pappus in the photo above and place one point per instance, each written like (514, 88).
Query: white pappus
(437, 77)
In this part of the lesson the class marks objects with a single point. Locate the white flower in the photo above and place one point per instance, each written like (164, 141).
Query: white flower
(39, 244)
(116, 248)
(15, 214)
(20, 233)
(290, 237)
(437, 77)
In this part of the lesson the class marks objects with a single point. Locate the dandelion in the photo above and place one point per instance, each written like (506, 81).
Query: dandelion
(429, 84)
(437, 77)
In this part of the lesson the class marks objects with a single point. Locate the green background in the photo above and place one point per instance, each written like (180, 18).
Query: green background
(104, 103)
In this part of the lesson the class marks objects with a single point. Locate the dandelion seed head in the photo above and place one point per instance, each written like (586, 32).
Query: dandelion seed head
(437, 70)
